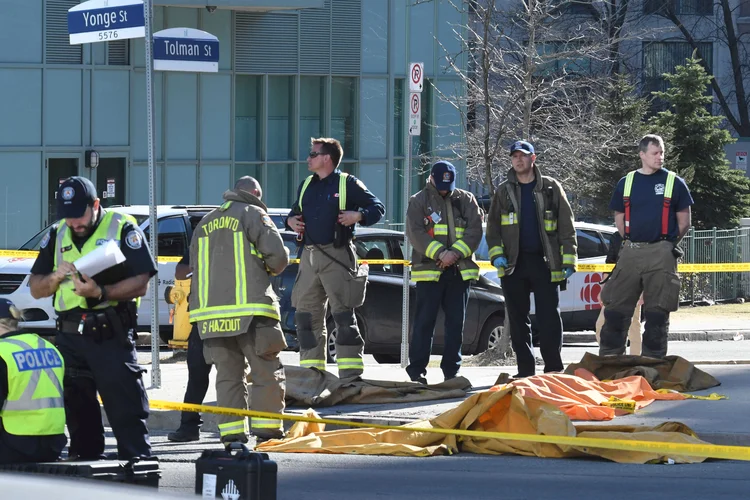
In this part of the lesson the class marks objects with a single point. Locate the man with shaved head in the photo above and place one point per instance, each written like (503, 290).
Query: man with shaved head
(234, 252)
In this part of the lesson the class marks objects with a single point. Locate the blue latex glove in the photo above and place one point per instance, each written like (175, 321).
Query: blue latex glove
(500, 262)
(568, 272)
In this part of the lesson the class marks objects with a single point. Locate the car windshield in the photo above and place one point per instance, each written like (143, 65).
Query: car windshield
(33, 243)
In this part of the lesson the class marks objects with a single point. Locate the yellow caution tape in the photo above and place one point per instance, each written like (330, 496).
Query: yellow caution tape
(592, 268)
(620, 404)
(711, 397)
(662, 448)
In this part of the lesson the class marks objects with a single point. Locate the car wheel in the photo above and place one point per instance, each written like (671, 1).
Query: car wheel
(494, 336)
(384, 359)
(166, 334)
(331, 340)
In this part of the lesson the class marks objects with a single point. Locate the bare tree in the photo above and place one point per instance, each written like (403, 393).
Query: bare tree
(732, 93)
(538, 71)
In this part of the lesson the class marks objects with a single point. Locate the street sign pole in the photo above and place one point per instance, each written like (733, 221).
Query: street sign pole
(153, 225)
(413, 116)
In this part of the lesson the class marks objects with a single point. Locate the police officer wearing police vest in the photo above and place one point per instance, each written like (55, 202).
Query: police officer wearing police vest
(32, 419)
(444, 226)
(652, 213)
(533, 245)
(97, 320)
(329, 203)
(234, 251)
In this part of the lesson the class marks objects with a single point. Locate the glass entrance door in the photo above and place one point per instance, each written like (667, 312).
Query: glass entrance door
(59, 170)
(110, 181)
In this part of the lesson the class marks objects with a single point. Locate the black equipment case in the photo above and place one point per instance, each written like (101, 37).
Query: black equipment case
(140, 472)
(248, 474)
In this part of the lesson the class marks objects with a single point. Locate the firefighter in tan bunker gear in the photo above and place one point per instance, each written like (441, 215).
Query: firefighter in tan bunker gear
(235, 250)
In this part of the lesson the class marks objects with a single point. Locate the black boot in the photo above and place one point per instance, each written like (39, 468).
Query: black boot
(184, 435)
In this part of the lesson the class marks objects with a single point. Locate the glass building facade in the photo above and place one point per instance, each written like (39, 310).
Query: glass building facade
(334, 68)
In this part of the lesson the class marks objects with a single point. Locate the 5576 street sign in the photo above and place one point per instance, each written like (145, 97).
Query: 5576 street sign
(104, 20)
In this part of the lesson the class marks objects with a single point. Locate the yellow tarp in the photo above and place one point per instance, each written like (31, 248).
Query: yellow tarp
(503, 409)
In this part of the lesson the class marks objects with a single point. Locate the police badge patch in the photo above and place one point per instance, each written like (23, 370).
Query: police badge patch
(45, 241)
(134, 240)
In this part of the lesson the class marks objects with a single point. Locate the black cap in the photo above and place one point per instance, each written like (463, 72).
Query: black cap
(5, 306)
(444, 175)
(74, 196)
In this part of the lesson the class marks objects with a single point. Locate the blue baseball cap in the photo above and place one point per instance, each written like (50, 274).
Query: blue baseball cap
(444, 175)
(74, 196)
(523, 146)
(5, 306)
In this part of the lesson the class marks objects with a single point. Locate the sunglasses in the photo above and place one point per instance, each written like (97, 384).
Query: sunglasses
(315, 154)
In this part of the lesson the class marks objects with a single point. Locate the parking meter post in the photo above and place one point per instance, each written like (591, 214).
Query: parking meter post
(152, 224)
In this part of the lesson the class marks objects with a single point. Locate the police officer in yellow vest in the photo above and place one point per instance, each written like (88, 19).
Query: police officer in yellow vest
(32, 419)
(234, 251)
(97, 321)
(445, 227)
(329, 204)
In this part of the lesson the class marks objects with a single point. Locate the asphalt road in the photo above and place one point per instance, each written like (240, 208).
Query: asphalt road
(333, 477)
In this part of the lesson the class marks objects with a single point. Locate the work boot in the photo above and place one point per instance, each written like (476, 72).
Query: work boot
(184, 435)
(234, 438)
(420, 380)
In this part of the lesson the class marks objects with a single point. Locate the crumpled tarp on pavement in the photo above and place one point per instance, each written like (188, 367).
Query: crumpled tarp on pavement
(502, 409)
(581, 396)
(311, 387)
(673, 372)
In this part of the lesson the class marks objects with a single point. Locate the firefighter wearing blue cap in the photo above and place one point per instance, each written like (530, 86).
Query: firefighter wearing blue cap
(97, 320)
(32, 419)
(444, 226)
(533, 245)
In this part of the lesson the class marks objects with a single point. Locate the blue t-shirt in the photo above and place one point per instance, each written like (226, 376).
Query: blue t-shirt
(531, 242)
(646, 202)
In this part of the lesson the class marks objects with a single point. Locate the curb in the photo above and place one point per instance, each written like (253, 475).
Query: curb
(685, 336)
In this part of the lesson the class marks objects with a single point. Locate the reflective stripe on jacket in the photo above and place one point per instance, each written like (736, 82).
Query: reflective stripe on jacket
(342, 190)
(431, 234)
(109, 228)
(34, 406)
(234, 250)
(555, 218)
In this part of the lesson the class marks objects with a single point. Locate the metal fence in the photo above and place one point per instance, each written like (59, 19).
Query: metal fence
(716, 246)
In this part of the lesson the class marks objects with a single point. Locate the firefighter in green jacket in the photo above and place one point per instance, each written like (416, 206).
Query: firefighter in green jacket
(444, 226)
(234, 251)
(533, 245)
(31, 393)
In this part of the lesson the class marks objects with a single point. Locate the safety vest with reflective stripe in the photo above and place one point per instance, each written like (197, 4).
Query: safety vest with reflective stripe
(342, 190)
(668, 187)
(34, 406)
(231, 283)
(109, 228)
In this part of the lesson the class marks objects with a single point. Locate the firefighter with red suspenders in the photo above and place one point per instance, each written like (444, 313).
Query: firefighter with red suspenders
(648, 260)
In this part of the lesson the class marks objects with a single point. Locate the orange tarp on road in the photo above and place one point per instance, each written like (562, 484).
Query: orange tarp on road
(580, 396)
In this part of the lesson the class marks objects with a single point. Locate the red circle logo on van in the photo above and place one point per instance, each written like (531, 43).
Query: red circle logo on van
(591, 290)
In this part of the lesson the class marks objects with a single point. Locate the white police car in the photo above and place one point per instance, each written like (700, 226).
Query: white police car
(176, 224)
(579, 302)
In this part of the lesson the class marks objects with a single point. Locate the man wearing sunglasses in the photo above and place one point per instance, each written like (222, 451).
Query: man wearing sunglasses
(329, 203)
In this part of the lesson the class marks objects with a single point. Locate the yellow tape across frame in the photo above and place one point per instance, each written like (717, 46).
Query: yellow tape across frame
(590, 268)
(683, 449)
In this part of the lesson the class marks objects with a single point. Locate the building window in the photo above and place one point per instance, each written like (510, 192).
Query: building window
(398, 117)
(663, 57)
(280, 113)
(421, 146)
(248, 137)
(562, 58)
(679, 7)
(312, 111)
(343, 114)
(279, 188)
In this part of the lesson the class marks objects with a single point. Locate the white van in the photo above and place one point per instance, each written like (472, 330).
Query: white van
(176, 224)
(579, 302)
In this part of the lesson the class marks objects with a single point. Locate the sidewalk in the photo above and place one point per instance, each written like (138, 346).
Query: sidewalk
(719, 422)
